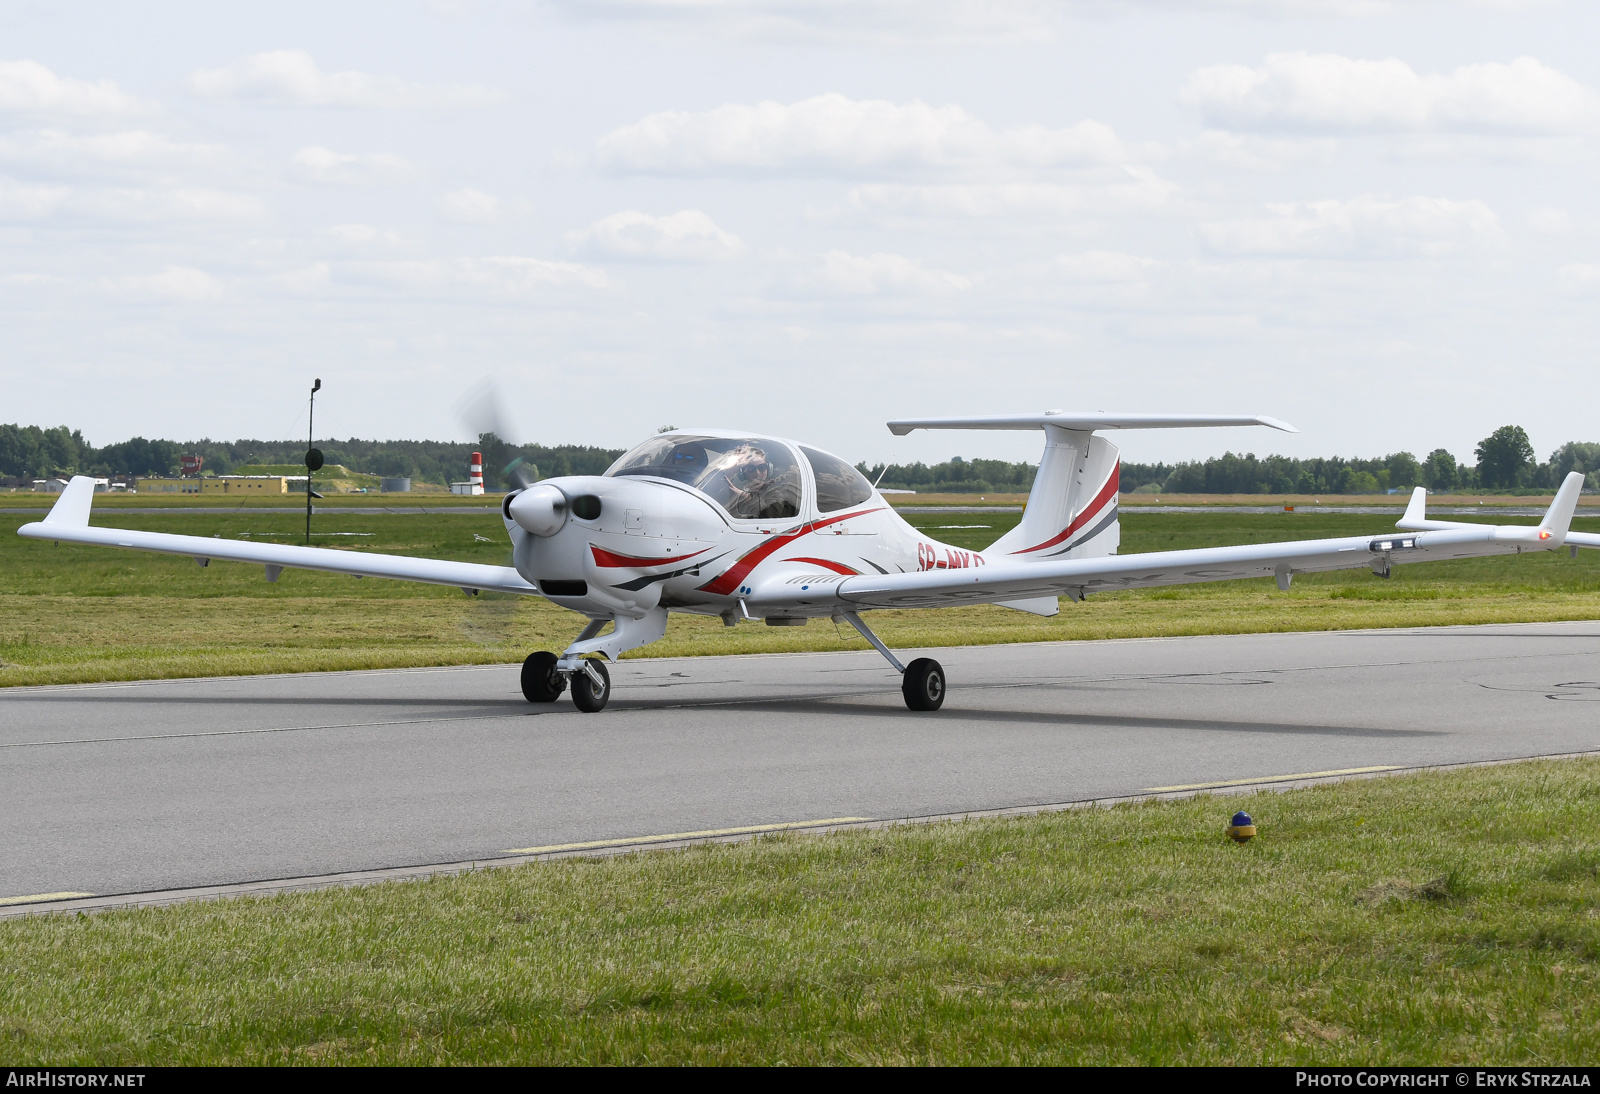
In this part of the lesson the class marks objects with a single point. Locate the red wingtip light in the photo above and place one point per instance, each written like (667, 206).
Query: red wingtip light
(1543, 534)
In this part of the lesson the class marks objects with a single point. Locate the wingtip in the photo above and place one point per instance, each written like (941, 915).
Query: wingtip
(1276, 423)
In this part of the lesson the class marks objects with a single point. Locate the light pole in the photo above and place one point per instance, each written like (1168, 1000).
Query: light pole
(313, 455)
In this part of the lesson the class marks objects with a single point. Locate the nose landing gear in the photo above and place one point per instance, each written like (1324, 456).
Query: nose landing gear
(543, 682)
(591, 687)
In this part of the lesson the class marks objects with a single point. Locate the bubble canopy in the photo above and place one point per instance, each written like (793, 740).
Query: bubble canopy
(753, 478)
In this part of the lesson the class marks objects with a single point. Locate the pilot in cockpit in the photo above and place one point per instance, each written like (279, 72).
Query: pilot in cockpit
(737, 478)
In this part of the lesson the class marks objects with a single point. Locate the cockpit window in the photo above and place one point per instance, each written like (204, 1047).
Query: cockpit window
(839, 485)
(752, 479)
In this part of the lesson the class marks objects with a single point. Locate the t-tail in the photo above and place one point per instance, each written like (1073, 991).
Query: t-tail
(1072, 509)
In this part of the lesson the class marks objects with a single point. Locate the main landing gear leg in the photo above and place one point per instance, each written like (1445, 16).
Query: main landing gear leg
(921, 682)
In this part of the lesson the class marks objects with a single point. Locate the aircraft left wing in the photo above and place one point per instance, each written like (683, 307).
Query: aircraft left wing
(68, 521)
(1077, 577)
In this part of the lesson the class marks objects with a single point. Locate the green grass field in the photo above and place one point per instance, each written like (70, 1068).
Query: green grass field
(75, 614)
(1441, 918)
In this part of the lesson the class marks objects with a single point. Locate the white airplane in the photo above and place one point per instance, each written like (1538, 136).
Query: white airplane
(746, 527)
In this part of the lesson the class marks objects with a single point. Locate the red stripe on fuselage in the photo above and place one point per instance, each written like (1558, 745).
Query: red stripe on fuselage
(603, 557)
(730, 578)
(836, 567)
(1107, 493)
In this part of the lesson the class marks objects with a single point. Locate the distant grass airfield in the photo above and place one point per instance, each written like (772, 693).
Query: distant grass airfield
(76, 614)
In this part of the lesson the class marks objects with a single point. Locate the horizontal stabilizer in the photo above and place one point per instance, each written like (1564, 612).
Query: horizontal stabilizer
(1088, 422)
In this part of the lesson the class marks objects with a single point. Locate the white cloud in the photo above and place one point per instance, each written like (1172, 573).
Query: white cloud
(363, 233)
(290, 77)
(1121, 190)
(27, 87)
(952, 22)
(500, 275)
(56, 153)
(1102, 267)
(310, 279)
(174, 282)
(124, 204)
(843, 274)
(881, 21)
(1329, 92)
(1581, 276)
(833, 134)
(685, 236)
(1364, 227)
(469, 206)
(1248, 152)
(316, 164)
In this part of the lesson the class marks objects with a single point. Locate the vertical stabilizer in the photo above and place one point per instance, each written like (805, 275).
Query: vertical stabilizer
(1072, 509)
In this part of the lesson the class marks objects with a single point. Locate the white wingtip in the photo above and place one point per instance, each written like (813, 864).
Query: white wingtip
(72, 507)
(1417, 507)
(1276, 423)
(1559, 518)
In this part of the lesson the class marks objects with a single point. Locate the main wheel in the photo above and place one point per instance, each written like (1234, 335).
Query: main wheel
(923, 684)
(591, 697)
(541, 683)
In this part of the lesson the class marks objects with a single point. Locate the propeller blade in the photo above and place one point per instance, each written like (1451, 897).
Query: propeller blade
(483, 412)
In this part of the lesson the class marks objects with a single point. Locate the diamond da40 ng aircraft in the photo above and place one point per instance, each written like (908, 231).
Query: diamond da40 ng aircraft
(749, 527)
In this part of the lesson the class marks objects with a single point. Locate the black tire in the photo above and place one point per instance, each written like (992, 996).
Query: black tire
(590, 697)
(923, 684)
(541, 683)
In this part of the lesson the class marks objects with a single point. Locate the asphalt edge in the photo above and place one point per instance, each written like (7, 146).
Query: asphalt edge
(354, 878)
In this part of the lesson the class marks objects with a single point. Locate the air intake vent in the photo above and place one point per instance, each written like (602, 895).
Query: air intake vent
(564, 588)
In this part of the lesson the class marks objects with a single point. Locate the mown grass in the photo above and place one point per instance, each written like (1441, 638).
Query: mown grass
(75, 614)
(1441, 918)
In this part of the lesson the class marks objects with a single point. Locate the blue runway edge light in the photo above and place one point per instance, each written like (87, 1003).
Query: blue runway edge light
(1242, 828)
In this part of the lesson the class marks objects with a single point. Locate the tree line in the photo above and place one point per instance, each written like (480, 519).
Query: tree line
(1505, 462)
(1505, 458)
(32, 452)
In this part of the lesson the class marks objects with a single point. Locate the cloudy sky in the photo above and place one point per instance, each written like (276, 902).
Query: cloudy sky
(1378, 219)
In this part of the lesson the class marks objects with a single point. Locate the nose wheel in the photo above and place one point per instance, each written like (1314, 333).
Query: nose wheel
(591, 687)
(922, 684)
(541, 682)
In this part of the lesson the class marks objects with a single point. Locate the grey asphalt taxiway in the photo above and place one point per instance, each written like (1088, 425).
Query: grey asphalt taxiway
(157, 785)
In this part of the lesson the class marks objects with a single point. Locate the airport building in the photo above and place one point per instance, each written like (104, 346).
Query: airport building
(247, 484)
(166, 486)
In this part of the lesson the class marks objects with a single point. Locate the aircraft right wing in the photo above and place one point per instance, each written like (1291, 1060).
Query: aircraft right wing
(68, 520)
(1076, 577)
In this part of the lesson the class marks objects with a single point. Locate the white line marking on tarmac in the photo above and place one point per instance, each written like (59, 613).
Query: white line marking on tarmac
(749, 829)
(1269, 779)
(40, 896)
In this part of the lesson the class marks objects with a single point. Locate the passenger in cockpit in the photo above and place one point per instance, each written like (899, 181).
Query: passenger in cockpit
(737, 479)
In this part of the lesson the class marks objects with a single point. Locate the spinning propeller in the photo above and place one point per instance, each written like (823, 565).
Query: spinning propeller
(482, 411)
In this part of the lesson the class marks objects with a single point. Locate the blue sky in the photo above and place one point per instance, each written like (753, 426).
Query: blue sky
(1374, 218)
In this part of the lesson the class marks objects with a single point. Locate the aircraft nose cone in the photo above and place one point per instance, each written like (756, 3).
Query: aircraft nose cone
(539, 509)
